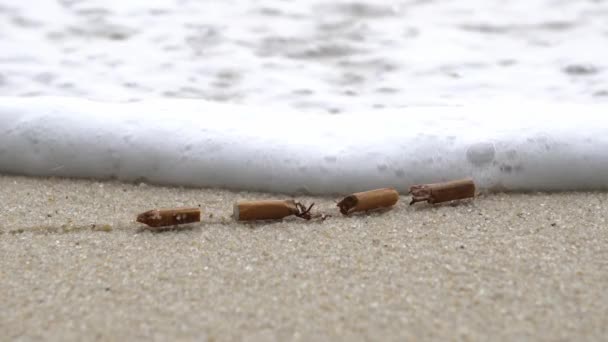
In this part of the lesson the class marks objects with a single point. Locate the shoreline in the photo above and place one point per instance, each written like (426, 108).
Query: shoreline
(502, 266)
(217, 145)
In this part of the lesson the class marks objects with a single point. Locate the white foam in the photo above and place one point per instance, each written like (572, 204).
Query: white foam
(199, 143)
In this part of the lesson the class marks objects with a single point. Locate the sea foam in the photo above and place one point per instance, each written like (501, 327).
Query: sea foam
(509, 147)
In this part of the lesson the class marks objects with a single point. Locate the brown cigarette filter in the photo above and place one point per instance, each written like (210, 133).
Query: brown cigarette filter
(443, 192)
(264, 210)
(169, 217)
(368, 200)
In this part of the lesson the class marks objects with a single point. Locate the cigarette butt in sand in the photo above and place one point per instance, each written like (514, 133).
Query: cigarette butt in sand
(169, 217)
(368, 200)
(443, 192)
(265, 210)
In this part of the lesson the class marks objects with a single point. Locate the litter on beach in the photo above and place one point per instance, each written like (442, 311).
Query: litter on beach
(443, 192)
(261, 210)
(169, 217)
(368, 200)
(270, 210)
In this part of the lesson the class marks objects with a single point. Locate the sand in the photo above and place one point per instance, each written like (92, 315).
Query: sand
(74, 265)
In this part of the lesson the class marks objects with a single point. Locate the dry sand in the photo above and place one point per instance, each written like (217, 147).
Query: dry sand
(516, 266)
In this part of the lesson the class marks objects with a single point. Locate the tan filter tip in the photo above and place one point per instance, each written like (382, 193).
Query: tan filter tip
(443, 192)
(169, 217)
(368, 200)
(264, 210)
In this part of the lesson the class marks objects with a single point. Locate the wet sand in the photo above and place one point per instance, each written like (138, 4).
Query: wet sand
(74, 265)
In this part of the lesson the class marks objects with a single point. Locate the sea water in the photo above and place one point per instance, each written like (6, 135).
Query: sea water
(311, 55)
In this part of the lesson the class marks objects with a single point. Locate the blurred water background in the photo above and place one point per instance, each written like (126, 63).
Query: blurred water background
(320, 55)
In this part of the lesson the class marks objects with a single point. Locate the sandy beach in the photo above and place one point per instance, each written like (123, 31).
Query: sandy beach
(74, 265)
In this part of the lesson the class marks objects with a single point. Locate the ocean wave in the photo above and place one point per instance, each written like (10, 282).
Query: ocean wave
(511, 147)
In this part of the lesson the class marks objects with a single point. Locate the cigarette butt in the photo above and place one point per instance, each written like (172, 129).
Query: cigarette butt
(169, 217)
(368, 200)
(264, 210)
(443, 192)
